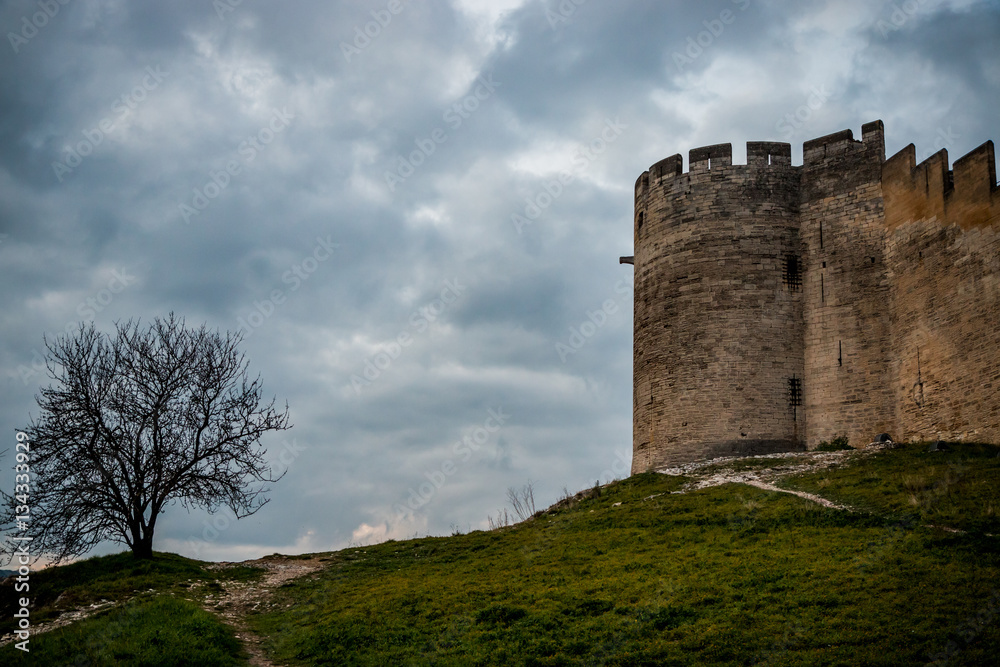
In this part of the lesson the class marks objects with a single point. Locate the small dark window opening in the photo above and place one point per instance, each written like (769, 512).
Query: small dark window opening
(794, 395)
(638, 226)
(840, 353)
(794, 392)
(820, 234)
(792, 275)
(822, 289)
(873, 260)
(824, 265)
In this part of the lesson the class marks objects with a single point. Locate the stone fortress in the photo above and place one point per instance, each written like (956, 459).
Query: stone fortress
(779, 306)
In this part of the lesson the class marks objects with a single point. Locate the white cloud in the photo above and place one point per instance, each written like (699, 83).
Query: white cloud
(324, 176)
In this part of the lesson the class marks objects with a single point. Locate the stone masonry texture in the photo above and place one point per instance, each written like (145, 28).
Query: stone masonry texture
(778, 306)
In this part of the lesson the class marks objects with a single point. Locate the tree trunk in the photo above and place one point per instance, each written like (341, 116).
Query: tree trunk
(143, 547)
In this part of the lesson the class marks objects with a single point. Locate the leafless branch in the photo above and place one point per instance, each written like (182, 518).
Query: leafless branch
(131, 423)
(522, 501)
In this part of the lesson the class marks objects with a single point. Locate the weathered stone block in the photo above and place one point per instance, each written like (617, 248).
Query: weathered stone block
(777, 306)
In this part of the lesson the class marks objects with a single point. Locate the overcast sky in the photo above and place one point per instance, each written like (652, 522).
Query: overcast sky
(414, 211)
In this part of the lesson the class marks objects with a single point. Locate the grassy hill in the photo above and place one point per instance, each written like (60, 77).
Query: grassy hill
(629, 574)
(146, 614)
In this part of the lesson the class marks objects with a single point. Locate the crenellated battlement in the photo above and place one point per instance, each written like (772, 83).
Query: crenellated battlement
(764, 153)
(966, 195)
(779, 306)
(709, 158)
(839, 152)
(816, 152)
(705, 158)
(819, 150)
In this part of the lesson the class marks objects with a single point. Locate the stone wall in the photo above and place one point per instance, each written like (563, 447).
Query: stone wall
(867, 290)
(847, 387)
(717, 319)
(943, 255)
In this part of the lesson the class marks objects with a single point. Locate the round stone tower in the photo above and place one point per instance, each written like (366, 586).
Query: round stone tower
(718, 340)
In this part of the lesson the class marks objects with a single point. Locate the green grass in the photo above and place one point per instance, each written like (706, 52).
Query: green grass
(730, 575)
(156, 631)
(115, 578)
(129, 629)
(633, 575)
(959, 488)
(839, 443)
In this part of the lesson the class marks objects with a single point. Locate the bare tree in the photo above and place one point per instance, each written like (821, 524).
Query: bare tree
(502, 521)
(522, 501)
(131, 424)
